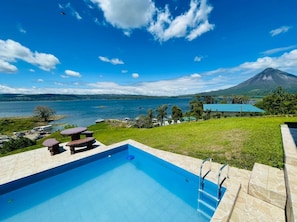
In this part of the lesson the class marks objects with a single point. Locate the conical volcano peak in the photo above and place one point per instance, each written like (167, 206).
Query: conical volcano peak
(263, 83)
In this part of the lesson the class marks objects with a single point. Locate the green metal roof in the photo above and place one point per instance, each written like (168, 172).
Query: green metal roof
(232, 108)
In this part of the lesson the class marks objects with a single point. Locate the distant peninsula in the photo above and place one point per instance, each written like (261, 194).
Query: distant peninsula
(57, 97)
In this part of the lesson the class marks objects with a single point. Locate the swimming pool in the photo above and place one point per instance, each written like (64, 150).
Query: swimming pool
(105, 187)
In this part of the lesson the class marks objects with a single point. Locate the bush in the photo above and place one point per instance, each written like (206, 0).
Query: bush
(14, 144)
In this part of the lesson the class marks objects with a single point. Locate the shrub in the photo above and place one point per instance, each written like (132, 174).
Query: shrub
(14, 144)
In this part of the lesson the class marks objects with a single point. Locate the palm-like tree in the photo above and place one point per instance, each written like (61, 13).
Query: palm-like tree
(176, 113)
(161, 113)
(150, 116)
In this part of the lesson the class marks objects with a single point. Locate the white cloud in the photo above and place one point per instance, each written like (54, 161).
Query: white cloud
(196, 75)
(201, 29)
(126, 14)
(7, 89)
(281, 49)
(286, 61)
(114, 61)
(190, 25)
(190, 84)
(40, 80)
(72, 73)
(11, 51)
(21, 29)
(198, 58)
(135, 75)
(72, 11)
(64, 76)
(96, 20)
(7, 67)
(127, 33)
(59, 84)
(159, 22)
(279, 30)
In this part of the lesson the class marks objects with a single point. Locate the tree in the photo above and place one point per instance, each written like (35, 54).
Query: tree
(44, 112)
(208, 99)
(142, 121)
(176, 113)
(150, 116)
(279, 102)
(240, 99)
(161, 113)
(196, 107)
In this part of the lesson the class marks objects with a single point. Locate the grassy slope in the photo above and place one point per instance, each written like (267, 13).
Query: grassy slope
(9, 125)
(237, 141)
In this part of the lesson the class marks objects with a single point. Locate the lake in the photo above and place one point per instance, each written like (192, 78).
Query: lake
(86, 112)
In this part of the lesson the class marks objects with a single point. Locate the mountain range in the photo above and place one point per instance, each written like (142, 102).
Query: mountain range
(261, 84)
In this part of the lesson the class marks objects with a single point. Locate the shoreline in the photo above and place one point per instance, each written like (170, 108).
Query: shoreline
(57, 117)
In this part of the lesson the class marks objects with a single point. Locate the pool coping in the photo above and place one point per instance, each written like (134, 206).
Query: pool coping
(290, 153)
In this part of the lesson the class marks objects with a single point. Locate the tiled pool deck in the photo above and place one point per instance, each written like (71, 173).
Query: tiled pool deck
(258, 195)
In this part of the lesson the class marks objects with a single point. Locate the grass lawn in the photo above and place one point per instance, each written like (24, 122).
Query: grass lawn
(239, 141)
(16, 124)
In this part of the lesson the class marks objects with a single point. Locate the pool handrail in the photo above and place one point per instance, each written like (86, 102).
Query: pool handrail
(220, 183)
(201, 168)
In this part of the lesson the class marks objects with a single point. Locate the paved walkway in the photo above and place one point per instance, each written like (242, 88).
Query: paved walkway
(237, 204)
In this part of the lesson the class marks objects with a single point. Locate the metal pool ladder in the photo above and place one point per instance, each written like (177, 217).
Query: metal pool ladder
(204, 195)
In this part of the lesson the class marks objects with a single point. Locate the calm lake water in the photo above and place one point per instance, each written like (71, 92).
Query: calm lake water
(86, 112)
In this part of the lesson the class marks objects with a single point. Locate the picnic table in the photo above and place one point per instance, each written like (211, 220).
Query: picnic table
(53, 145)
(74, 132)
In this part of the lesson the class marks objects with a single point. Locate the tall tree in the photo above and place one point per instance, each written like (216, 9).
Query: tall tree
(208, 99)
(161, 113)
(176, 113)
(44, 112)
(150, 116)
(196, 107)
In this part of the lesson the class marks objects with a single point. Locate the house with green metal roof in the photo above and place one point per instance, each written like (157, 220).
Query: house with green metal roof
(232, 108)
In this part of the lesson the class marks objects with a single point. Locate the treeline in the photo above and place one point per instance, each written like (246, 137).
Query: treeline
(279, 102)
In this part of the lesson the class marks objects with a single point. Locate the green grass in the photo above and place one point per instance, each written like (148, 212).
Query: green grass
(16, 124)
(239, 141)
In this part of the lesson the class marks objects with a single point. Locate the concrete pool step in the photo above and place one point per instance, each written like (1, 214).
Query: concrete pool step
(268, 184)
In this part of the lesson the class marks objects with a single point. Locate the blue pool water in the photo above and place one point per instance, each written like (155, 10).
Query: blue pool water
(125, 184)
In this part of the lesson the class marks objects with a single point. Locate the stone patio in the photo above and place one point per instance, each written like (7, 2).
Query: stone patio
(258, 195)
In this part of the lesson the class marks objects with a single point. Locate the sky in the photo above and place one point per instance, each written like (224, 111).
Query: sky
(142, 47)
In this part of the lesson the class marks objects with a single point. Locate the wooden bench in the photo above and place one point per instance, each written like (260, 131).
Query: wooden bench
(53, 145)
(88, 142)
(88, 133)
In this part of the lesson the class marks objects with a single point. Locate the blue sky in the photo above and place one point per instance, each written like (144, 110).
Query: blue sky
(146, 47)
